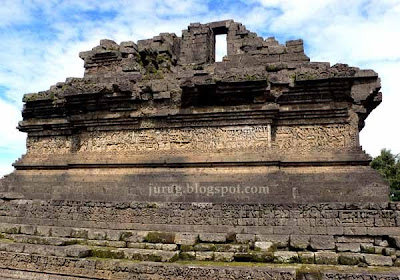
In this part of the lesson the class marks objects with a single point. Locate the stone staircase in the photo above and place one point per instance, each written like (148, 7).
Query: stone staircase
(158, 246)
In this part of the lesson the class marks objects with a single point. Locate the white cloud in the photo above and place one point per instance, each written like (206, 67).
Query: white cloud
(381, 129)
(19, 12)
(12, 142)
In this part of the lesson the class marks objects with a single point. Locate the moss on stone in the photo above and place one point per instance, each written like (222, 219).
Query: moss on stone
(80, 234)
(125, 235)
(198, 67)
(157, 75)
(251, 77)
(223, 247)
(186, 248)
(154, 258)
(263, 257)
(349, 260)
(174, 258)
(204, 247)
(12, 230)
(160, 237)
(308, 272)
(186, 256)
(106, 253)
(6, 240)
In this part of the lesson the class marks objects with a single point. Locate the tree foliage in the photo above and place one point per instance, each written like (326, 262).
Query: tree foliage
(388, 165)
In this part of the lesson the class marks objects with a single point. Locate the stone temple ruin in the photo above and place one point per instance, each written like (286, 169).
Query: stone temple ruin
(160, 157)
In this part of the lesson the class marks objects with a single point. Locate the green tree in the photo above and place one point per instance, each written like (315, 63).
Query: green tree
(388, 165)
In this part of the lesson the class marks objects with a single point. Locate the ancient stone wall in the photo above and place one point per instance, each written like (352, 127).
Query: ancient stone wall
(309, 234)
(159, 156)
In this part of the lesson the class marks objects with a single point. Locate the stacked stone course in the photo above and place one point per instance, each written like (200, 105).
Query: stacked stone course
(161, 163)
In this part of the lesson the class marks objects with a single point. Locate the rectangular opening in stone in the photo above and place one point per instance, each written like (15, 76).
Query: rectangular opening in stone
(220, 47)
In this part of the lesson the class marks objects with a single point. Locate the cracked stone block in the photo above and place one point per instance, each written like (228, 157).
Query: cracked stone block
(350, 258)
(326, 258)
(321, 242)
(299, 241)
(212, 237)
(387, 251)
(286, 257)
(263, 246)
(367, 248)
(96, 234)
(306, 257)
(280, 241)
(204, 256)
(134, 236)
(186, 238)
(79, 233)
(43, 230)
(77, 251)
(245, 238)
(204, 247)
(113, 235)
(149, 255)
(223, 256)
(378, 260)
(28, 229)
(61, 231)
(14, 247)
(348, 247)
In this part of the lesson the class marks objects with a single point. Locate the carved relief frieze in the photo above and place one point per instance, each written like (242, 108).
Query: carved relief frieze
(172, 140)
(304, 138)
(255, 138)
(48, 145)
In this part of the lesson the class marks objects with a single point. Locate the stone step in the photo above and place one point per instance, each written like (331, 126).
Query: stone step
(76, 251)
(366, 244)
(32, 239)
(58, 267)
(172, 252)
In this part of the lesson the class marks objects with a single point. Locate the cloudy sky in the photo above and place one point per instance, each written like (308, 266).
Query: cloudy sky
(40, 41)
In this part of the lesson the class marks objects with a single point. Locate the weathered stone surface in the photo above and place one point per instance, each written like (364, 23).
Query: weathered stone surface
(212, 237)
(134, 236)
(286, 257)
(299, 241)
(280, 241)
(326, 258)
(348, 247)
(263, 246)
(148, 255)
(223, 256)
(367, 248)
(27, 229)
(306, 257)
(96, 234)
(107, 243)
(377, 260)
(204, 256)
(159, 154)
(355, 239)
(321, 242)
(245, 238)
(77, 251)
(141, 102)
(186, 238)
(204, 247)
(350, 258)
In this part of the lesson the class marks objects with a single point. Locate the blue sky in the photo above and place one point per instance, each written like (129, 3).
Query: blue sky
(40, 41)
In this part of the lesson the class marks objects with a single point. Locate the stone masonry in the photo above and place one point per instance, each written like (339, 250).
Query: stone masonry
(161, 163)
